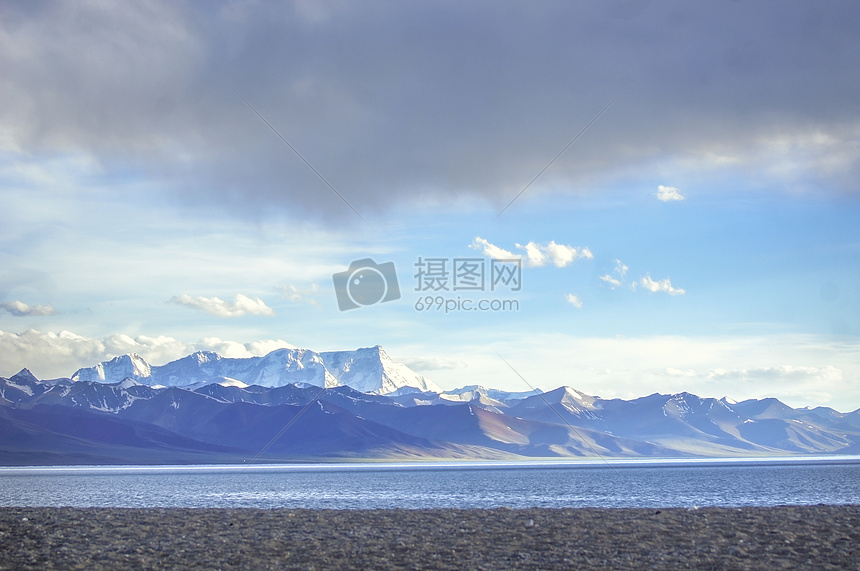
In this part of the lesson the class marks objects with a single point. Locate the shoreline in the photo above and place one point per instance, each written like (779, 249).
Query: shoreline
(514, 462)
(822, 536)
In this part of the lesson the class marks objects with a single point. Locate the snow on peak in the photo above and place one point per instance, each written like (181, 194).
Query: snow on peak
(128, 383)
(205, 356)
(464, 394)
(368, 370)
(228, 382)
(371, 370)
(131, 366)
(681, 404)
(576, 400)
(24, 376)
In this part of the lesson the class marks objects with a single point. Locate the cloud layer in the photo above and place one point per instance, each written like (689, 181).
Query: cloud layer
(394, 102)
(800, 370)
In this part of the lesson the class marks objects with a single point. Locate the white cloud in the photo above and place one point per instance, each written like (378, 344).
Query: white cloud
(298, 295)
(668, 193)
(50, 354)
(620, 270)
(266, 346)
(235, 350)
(242, 305)
(803, 385)
(432, 364)
(557, 254)
(535, 255)
(491, 250)
(21, 309)
(47, 354)
(785, 372)
(157, 350)
(660, 286)
(673, 372)
(611, 281)
(574, 300)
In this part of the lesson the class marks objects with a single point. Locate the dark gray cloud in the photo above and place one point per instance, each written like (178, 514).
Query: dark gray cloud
(394, 101)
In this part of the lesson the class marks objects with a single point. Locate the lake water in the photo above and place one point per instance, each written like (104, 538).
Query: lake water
(825, 480)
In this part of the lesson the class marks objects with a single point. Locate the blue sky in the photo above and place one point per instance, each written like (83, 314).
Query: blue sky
(700, 235)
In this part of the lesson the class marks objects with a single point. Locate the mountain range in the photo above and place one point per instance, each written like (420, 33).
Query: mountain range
(368, 370)
(295, 404)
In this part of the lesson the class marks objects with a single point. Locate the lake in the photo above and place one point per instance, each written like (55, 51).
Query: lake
(734, 482)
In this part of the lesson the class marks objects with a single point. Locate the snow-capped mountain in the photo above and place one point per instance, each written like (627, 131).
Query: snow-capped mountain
(131, 366)
(206, 408)
(63, 421)
(369, 370)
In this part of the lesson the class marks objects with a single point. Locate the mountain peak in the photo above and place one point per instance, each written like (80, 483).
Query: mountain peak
(127, 383)
(130, 365)
(24, 376)
(205, 356)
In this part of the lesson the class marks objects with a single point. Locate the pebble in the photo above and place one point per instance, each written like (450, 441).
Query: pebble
(816, 537)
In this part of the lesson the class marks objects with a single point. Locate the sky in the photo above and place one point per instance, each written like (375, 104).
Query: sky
(640, 196)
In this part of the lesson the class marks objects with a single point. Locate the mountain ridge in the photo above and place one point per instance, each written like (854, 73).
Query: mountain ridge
(62, 421)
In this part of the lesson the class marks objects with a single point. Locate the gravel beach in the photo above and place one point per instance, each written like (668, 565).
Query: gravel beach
(809, 537)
